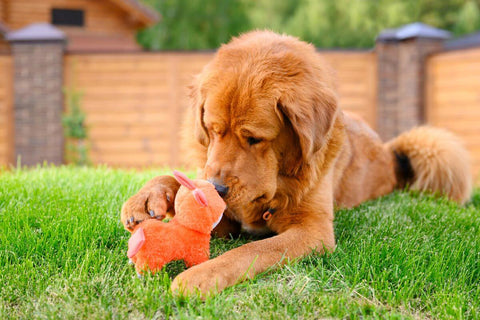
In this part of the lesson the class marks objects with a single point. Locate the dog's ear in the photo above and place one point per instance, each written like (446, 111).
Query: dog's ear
(311, 115)
(197, 103)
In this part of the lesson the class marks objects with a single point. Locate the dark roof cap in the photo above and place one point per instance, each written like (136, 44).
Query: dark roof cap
(469, 41)
(413, 30)
(37, 32)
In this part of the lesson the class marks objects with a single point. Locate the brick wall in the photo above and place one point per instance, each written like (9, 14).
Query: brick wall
(401, 74)
(38, 102)
(402, 54)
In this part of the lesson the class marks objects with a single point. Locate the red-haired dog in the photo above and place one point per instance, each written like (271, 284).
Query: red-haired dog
(264, 125)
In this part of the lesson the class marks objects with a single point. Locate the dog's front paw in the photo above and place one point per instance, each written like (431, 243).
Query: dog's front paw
(154, 200)
(202, 279)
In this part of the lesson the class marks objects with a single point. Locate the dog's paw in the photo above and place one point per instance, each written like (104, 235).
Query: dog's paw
(154, 201)
(200, 279)
(134, 212)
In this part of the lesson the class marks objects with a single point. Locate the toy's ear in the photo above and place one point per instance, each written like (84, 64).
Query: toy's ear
(184, 180)
(200, 197)
(136, 242)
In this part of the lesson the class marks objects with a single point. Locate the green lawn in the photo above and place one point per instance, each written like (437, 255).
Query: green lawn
(63, 255)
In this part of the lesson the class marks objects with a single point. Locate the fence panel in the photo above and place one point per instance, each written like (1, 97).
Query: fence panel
(357, 81)
(6, 114)
(453, 97)
(134, 102)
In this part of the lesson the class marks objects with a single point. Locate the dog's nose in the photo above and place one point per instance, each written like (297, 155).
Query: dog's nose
(221, 189)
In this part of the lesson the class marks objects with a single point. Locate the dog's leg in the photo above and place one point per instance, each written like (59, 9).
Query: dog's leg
(303, 232)
(154, 200)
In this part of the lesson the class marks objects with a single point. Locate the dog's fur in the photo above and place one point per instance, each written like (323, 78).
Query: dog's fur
(265, 123)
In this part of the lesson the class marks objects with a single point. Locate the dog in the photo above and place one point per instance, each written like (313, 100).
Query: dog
(265, 128)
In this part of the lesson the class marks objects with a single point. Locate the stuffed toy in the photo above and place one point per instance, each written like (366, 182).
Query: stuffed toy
(198, 209)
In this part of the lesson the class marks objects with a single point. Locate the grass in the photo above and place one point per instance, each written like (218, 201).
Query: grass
(63, 256)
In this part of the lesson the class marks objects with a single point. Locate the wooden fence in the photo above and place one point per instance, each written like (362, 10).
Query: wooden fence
(6, 114)
(135, 102)
(453, 97)
(357, 81)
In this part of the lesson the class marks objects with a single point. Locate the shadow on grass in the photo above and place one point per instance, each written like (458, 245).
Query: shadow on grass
(475, 200)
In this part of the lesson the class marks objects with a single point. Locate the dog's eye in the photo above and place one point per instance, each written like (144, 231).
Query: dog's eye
(251, 140)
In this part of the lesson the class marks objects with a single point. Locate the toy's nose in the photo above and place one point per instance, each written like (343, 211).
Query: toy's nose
(221, 189)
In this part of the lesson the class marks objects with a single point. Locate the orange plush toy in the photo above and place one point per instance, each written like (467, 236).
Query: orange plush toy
(198, 209)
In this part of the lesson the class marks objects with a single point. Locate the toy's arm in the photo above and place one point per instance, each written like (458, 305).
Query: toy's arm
(154, 200)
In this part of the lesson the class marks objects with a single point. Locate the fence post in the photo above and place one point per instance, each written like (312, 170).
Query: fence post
(401, 55)
(38, 100)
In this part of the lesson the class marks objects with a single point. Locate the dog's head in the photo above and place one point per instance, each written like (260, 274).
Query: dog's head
(264, 107)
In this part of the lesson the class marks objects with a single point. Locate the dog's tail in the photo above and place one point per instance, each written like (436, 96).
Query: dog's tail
(434, 160)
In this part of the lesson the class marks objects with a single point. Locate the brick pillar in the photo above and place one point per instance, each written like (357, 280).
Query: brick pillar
(401, 55)
(38, 101)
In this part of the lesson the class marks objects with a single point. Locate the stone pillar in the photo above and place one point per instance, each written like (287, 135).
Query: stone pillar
(38, 100)
(401, 55)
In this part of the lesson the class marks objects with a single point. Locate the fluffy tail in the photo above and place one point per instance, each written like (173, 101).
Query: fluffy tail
(434, 160)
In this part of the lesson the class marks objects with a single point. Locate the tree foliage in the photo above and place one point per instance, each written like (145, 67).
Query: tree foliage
(195, 24)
